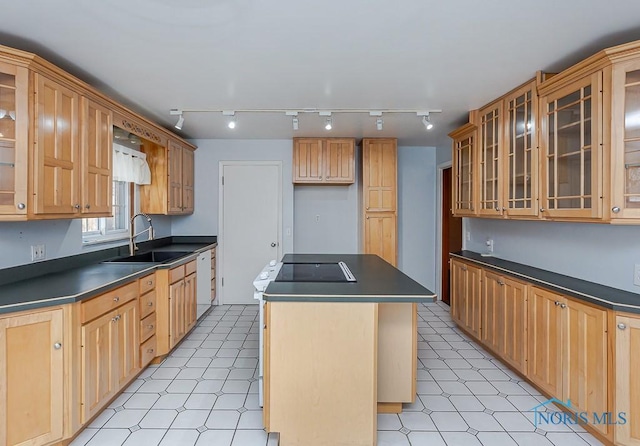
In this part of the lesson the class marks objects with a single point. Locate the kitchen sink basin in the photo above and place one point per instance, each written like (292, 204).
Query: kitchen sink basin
(152, 257)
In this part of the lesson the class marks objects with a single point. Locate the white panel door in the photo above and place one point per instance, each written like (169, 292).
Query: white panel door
(250, 232)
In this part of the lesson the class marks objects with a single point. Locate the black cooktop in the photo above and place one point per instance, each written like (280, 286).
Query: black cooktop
(311, 272)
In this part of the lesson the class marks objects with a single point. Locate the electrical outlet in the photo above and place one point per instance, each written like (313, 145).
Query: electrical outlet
(468, 235)
(636, 274)
(37, 252)
(489, 244)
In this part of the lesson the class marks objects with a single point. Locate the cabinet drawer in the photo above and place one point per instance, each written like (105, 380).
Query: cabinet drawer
(176, 274)
(191, 267)
(147, 283)
(147, 304)
(104, 303)
(147, 327)
(147, 351)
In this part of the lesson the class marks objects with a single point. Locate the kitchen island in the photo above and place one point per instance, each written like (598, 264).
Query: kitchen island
(328, 356)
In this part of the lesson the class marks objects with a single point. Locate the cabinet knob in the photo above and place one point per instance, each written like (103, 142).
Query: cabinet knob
(542, 209)
(150, 304)
(320, 176)
(464, 267)
(76, 206)
(273, 244)
(57, 346)
(367, 217)
(116, 299)
(21, 206)
(500, 282)
(563, 306)
(87, 206)
(150, 350)
(149, 282)
(615, 209)
(556, 303)
(150, 327)
(497, 208)
(367, 208)
(621, 326)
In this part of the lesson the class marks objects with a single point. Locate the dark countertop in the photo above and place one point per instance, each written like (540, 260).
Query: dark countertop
(594, 293)
(71, 279)
(377, 281)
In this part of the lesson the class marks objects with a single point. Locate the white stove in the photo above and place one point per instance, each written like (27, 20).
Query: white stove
(261, 282)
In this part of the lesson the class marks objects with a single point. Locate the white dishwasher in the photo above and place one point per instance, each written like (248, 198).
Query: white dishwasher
(203, 282)
(261, 282)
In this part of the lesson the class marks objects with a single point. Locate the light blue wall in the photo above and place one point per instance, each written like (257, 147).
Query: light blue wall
(417, 214)
(598, 253)
(61, 238)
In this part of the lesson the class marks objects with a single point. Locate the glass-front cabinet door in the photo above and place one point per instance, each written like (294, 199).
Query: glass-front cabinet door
(625, 148)
(490, 144)
(13, 141)
(464, 170)
(571, 155)
(521, 152)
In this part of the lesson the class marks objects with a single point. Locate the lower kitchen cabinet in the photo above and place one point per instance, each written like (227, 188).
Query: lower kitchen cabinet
(109, 356)
(627, 367)
(504, 318)
(465, 296)
(32, 378)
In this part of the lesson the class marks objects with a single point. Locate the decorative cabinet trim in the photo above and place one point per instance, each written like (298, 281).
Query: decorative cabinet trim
(138, 129)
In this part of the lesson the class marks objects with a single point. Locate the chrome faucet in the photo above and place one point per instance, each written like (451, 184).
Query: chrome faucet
(132, 236)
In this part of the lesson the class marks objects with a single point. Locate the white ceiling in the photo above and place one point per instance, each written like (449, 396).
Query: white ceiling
(453, 55)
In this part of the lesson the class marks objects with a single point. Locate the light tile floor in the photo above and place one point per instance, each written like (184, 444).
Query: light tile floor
(205, 393)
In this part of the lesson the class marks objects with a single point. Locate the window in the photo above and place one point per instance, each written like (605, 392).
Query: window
(102, 229)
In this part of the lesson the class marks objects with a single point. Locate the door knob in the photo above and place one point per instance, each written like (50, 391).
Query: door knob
(273, 244)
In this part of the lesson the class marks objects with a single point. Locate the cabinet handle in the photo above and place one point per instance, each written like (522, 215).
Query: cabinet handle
(21, 206)
(77, 206)
(464, 267)
(497, 209)
(116, 318)
(150, 282)
(367, 217)
(621, 326)
(87, 206)
(563, 306)
(116, 299)
(150, 304)
(57, 346)
(615, 209)
(150, 350)
(367, 208)
(500, 282)
(556, 303)
(320, 176)
(150, 327)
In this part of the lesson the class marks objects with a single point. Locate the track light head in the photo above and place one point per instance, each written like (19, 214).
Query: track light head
(180, 122)
(232, 120)
(379, 123)
(295, 123)
(328, 123)
(426, 120)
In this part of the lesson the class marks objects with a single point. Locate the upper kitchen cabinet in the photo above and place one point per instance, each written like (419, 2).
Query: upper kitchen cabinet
(572, 148)
(171, 191)
(97, 156)
(464, 170)
(625, 141)
(379, 182)
(323, 161)
(14, 117)
(489, 160)
(520, 155)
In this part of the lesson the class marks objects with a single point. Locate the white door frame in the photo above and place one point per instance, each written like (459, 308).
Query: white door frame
(440, 168)
(220, 250)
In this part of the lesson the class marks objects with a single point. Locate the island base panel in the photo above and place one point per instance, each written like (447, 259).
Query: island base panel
(321, 381)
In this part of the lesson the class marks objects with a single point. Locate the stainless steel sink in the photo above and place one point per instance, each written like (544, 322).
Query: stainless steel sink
(152, 257)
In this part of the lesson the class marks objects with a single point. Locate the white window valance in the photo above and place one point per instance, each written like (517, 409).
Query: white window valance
(130, 165)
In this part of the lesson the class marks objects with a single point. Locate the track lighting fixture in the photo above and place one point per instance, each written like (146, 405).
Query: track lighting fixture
(427, 122)
(379, 123)
(328, 122)
(178, 113)
(294, 119)
(295, 123)
(232, 120)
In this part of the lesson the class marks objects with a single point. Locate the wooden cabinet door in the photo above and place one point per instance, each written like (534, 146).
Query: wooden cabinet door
(465, 296)
(128, 325)
(545, 340)
(627, 386)
(379, 160)
(585, 358)
(188, 180)
(14, 135)
(190, 303)
(625, 143)
(514, 343)
(56, 172)
(489, 158)
(99, 350)
(307, 160)
(97, 154)
(339, 161)
(177, 327)
(175, 178)
(464, 171)
(521, 152)
(493, 311)
(571, 151)
(380, 235)
(31, 378)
